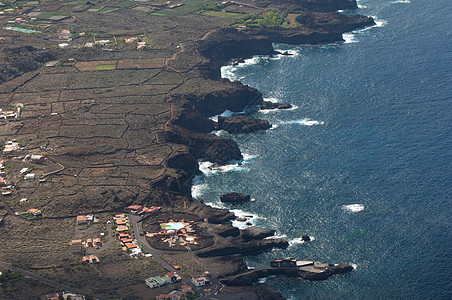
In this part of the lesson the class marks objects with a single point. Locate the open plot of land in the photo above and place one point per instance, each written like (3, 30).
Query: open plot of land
(96, 65)
(188, 7)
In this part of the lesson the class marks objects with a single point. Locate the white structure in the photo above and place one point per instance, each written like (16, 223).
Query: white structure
(30, 176)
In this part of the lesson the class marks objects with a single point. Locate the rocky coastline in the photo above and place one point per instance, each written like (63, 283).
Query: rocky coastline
(191, 126)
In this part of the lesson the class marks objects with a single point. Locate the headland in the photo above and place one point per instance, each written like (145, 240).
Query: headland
(106, 110)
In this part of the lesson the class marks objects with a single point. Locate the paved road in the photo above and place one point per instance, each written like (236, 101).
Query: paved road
(156, 254)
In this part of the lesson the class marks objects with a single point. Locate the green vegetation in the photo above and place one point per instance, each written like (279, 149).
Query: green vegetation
(215, 6)
(274, 18)
(9, 277)
(222, 14)
(105, 67)
(189, 6)
(108, 9)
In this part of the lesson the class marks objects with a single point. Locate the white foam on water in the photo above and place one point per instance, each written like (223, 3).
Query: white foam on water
(228, 72)
(274, 126)
(402, 1)
(379, 22)
(272, 100)
(219, 132)
(208, 168)
(226, 113)
(278, 236)
(349, 38)
(198, 186)
(353, 207)
(264, 279)
(267, 111)
(291, 52)
(243, 214)
(247, 157)
(305, 122)
(355, 266)
(299, 241)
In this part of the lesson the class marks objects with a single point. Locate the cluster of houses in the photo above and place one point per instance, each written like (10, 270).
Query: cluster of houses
(92, 259)
(10, 147)
(176, 294)
(140, 43)
(128, 244)
(85, 219)
(65, 296)
(12, 114)
(158, 281)
(176, 233)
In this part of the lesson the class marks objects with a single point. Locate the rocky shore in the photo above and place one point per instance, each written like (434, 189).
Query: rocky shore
(220, 48)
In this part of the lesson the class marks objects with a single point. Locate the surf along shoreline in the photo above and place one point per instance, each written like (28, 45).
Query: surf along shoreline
(192, 126)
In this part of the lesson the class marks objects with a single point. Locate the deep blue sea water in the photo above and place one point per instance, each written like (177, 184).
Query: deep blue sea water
(372, 127)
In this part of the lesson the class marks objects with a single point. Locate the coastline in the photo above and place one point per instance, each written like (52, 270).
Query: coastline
(229, 49)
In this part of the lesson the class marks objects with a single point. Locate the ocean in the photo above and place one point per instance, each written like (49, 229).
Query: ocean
(362, 163)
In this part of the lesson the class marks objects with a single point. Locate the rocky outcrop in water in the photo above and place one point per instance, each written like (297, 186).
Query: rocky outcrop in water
(251, 248)
(334, 21)
(242, 124)
(235, 198)
(256, 233)
(272, 105)
(205, 146)
(251, 276)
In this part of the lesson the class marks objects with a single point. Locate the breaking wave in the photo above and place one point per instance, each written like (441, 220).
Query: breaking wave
(305, 122)
(353, 207)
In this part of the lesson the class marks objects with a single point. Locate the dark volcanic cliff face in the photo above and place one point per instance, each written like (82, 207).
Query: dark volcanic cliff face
(205, 146)
(228, 43)
(333, 21)
(317, 5)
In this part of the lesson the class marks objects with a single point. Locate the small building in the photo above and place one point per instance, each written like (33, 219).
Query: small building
(135, 208)
(200, 281)
(89, 243)
(94, 259)
(76, 246)
(150, 282)
(53, 296)
(121, 222)
(286, 262)
(124, 236)
(126, 240)
(171, 276)
(34, 212)
(81, 219)
(30, 176)
(131, 245)
(97, 242)
(37, 159)
(166, 279)
(122, 228)
(10, 146)
(136, 252)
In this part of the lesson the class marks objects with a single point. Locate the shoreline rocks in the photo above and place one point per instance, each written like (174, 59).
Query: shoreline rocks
(242, 124)
(235, 198)
(272, 105)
